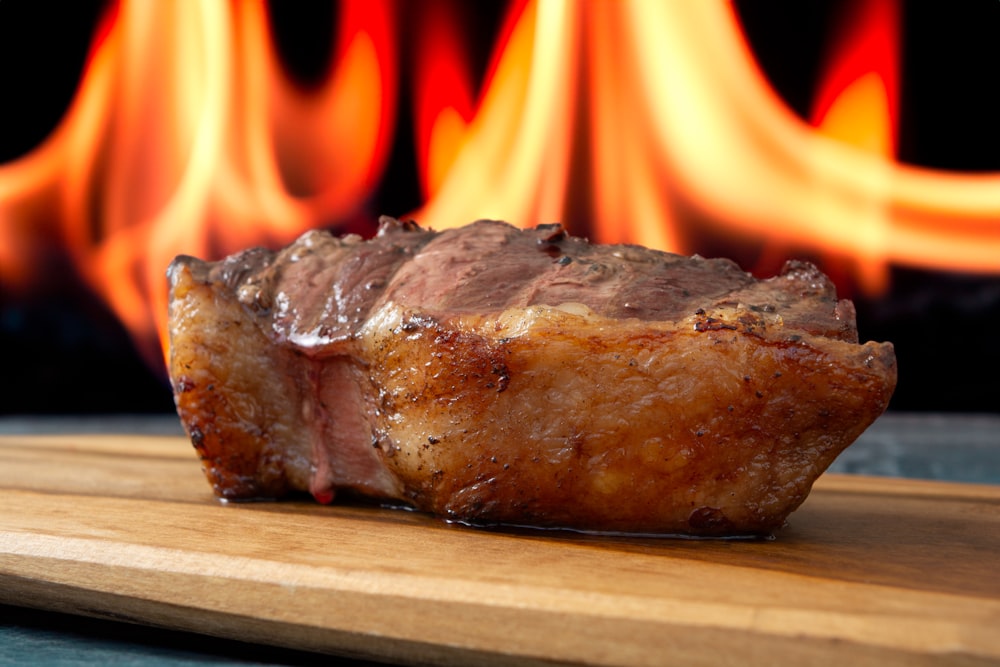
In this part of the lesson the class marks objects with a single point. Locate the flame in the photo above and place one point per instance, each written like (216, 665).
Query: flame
(513, 161)
(443, 94)
(651, 122)
(857, 103)
(858, 97)
(186, 136)
(643, 122)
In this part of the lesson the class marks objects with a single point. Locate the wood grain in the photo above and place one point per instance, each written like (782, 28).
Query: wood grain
(871, 570)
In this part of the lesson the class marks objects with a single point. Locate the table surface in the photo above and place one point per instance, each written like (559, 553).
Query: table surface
(963, 448)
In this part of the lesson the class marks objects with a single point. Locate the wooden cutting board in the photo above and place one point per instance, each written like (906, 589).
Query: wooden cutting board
(871, 571)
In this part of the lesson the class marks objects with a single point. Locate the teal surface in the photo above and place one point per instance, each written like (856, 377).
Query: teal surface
(31, 637)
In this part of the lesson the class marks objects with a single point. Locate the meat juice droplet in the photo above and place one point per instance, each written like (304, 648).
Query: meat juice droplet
(324, 497)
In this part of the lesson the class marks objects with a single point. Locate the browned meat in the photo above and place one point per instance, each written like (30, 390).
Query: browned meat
(493, 375)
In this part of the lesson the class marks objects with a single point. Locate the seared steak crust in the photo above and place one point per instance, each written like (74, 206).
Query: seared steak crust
(496, 375)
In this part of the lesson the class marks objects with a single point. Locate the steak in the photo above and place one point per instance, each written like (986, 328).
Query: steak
(493, 375)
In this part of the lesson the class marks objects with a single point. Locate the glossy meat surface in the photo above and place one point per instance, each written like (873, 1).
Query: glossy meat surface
(493, 375)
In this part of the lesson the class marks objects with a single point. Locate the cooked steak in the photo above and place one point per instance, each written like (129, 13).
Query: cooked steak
(489, 374)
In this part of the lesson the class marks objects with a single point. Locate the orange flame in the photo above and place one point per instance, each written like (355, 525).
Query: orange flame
(644, 122)
(858, 102)
(186, 137)
(858, 96)
(652, 119)
(443, 93)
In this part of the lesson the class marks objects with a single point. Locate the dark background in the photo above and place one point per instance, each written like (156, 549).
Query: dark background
(61, 351)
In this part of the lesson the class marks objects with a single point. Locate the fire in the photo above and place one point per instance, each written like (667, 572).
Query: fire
(857, 103)
(858, 98)
(187, 137)
(668, 129)
(643, 122)
(443, 89)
